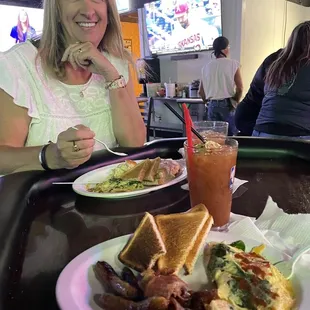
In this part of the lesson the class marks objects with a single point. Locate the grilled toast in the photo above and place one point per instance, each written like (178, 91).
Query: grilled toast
(138, 172)
(194, 252)
(152, 170)
(179, 233)
(145, 247)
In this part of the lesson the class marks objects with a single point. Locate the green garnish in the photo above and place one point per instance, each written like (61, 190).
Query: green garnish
(238, 245)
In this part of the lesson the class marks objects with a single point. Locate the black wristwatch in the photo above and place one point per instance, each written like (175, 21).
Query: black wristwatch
(42, 157)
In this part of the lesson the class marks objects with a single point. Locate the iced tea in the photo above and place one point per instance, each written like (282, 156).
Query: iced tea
(212, 130)
(211, 170)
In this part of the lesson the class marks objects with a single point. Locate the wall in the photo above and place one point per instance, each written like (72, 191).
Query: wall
(131, 31)
(295, 15)
(262, 33)
(266, 27)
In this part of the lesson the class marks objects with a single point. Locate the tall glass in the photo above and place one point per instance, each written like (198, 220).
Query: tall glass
(214, 130)
(211, 171)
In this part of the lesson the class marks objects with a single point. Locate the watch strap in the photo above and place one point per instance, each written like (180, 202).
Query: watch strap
(42, 157)
(117, 83)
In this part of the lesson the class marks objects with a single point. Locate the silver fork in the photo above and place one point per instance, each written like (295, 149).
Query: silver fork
(287, 267)
(107, 148)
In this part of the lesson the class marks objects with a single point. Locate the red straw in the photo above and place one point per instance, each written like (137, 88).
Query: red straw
(188, 126)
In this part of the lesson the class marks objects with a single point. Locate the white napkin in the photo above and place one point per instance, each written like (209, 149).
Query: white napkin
(285, 232)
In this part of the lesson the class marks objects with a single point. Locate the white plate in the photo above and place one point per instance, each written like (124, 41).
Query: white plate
(101, 174)
(77, 285)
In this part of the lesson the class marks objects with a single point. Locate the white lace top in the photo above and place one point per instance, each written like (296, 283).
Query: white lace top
(52, 105)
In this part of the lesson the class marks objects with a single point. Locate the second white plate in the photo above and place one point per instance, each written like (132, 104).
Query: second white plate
(101, 174)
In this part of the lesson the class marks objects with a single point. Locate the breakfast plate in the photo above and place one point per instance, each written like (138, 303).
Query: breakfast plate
(77, 284)
(101, 174)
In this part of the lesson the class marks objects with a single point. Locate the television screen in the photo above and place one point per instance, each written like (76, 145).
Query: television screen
(178, 26)
(18, 24)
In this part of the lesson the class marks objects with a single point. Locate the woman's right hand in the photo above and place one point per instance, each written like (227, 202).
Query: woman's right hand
(73, 148)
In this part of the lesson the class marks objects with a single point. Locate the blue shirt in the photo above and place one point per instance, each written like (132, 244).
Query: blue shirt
(26, 36)
(248, 109)
(286, 110)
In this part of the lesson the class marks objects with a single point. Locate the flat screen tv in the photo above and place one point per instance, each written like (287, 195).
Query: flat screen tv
(180, 26)
(18, 24)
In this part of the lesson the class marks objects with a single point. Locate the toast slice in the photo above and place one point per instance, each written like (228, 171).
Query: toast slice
(152, 170)
(179, 232)
(145, 247)
(194, 252)
(137, 173)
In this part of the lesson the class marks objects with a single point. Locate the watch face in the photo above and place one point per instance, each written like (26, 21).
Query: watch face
(119, 83)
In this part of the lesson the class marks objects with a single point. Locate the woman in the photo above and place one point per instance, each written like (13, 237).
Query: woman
(285, 108)
(23, 31)
(78, 75)
(220, 82)
(248, 109)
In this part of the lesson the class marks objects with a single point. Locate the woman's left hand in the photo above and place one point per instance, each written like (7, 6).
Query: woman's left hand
(87, 56)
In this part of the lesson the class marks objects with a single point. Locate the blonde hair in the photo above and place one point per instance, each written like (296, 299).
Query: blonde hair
(53, 42)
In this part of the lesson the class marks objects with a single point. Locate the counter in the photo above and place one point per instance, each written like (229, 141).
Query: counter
(160, 119)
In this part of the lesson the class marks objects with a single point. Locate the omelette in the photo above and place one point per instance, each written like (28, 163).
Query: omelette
(114, 182)
(246, 280)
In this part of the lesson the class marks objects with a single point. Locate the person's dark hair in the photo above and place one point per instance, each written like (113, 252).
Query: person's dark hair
(220, 44)
(295, 55)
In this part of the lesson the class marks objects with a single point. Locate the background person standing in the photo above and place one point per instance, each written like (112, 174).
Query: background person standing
(221, 85)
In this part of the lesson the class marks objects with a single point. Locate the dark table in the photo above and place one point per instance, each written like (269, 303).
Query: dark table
(65, 224)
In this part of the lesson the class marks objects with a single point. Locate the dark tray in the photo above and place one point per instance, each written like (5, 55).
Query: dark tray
(274, 167)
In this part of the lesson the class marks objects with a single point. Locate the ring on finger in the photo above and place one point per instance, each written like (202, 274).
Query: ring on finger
(75, 148)
(80, 50)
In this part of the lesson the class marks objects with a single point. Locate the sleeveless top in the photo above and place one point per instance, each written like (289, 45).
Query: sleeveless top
(52, 105)
(218, 78)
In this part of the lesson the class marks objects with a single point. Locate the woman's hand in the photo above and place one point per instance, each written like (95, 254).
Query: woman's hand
(88, 57)
(73, 148)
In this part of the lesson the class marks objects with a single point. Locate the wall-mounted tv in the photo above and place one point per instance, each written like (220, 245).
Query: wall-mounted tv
(180, 26)
(18, 24)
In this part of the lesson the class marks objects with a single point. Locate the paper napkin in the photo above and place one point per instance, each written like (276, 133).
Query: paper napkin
(285, 232)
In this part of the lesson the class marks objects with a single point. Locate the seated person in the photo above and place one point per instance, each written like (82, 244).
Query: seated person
(78, 74)
(248, 109)
(285, 110)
